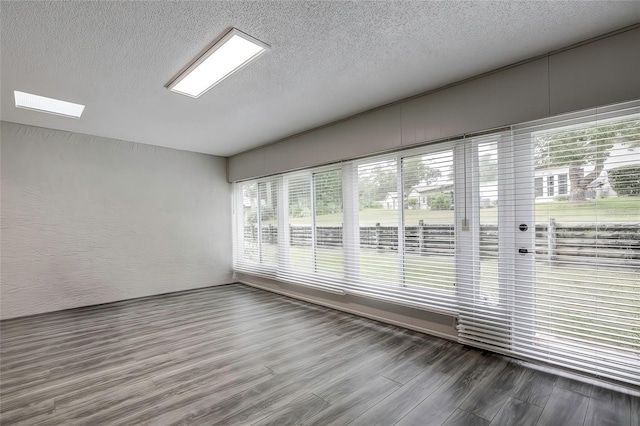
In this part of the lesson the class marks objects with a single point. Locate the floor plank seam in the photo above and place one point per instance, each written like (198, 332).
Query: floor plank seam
(401, 384)
(315, 394)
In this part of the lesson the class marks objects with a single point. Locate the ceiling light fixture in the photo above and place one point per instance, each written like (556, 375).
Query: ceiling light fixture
(48, 105)
(230, 53)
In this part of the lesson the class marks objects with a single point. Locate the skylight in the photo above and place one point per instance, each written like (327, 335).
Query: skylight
(228, 55)
(48, 105)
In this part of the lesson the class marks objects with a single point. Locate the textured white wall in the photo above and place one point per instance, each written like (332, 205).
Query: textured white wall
(88, 220)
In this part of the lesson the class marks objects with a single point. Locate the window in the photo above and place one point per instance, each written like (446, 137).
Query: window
(585, 273)
(428, 246)
(379, 220)
(486, 200)
(327, 193)
(539, 187)
(301, 216)
(406, 221)
(257, 247)
(567, 268)
(250, 222)
(268, 208)
(311, 247)
(468, 227)
(562, 184)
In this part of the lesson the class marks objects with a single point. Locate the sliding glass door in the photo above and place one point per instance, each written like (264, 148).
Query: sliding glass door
(495, 256)
(586, 273)
(549, 249)
(405, 229)
(311, 247)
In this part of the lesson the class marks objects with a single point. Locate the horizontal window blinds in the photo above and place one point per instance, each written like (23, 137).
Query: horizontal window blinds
(406, 239)
(530, 236)
(400, 242)
(314, 227)
(586, 277)
(555, 273)
(256, 230)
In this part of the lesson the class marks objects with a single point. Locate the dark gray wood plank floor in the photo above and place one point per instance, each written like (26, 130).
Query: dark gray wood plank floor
(235, 355)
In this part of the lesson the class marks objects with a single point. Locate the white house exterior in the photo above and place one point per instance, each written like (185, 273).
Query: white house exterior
(552, 183)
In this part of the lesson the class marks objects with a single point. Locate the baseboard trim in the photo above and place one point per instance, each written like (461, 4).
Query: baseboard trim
(353, 311)
(125, 300)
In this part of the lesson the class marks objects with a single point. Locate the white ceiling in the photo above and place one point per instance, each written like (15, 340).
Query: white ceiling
(328, 60)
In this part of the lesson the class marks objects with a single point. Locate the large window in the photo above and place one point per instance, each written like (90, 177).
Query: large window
(406, 235)
(586, 276)
(429, 236)
(310, 246)
(565, 287)
(257, 225)
(530, 236)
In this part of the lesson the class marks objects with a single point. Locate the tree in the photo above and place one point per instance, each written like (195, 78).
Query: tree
(328, 192)
(414, 172)
(580, 147)
(377, 182)
(250, 203)
(268, 204)
(299, 194)
(488, 165)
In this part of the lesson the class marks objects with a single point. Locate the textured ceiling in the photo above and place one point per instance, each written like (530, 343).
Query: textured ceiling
(328, 60)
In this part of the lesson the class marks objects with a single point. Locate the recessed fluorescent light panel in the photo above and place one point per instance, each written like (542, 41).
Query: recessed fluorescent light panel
(48, 105)
(229, 54)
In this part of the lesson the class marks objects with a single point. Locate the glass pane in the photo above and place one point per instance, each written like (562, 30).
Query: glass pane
(379, 217)
(300, 223)
(429, 237)
(488, 212)
(539, 185)
(268, 207)
(587, 236)
(250, 222)
(328, 211)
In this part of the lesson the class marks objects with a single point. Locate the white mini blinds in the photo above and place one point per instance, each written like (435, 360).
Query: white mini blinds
(530, 236)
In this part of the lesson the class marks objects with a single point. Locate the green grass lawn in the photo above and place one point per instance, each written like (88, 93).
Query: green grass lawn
(622, 209)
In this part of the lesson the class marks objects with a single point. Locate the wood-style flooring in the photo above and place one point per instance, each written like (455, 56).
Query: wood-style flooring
(236, 355)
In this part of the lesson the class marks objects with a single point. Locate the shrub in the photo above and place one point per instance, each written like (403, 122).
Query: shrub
(440, 201)
(268, 213)
(625, 180)
(370, 205)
